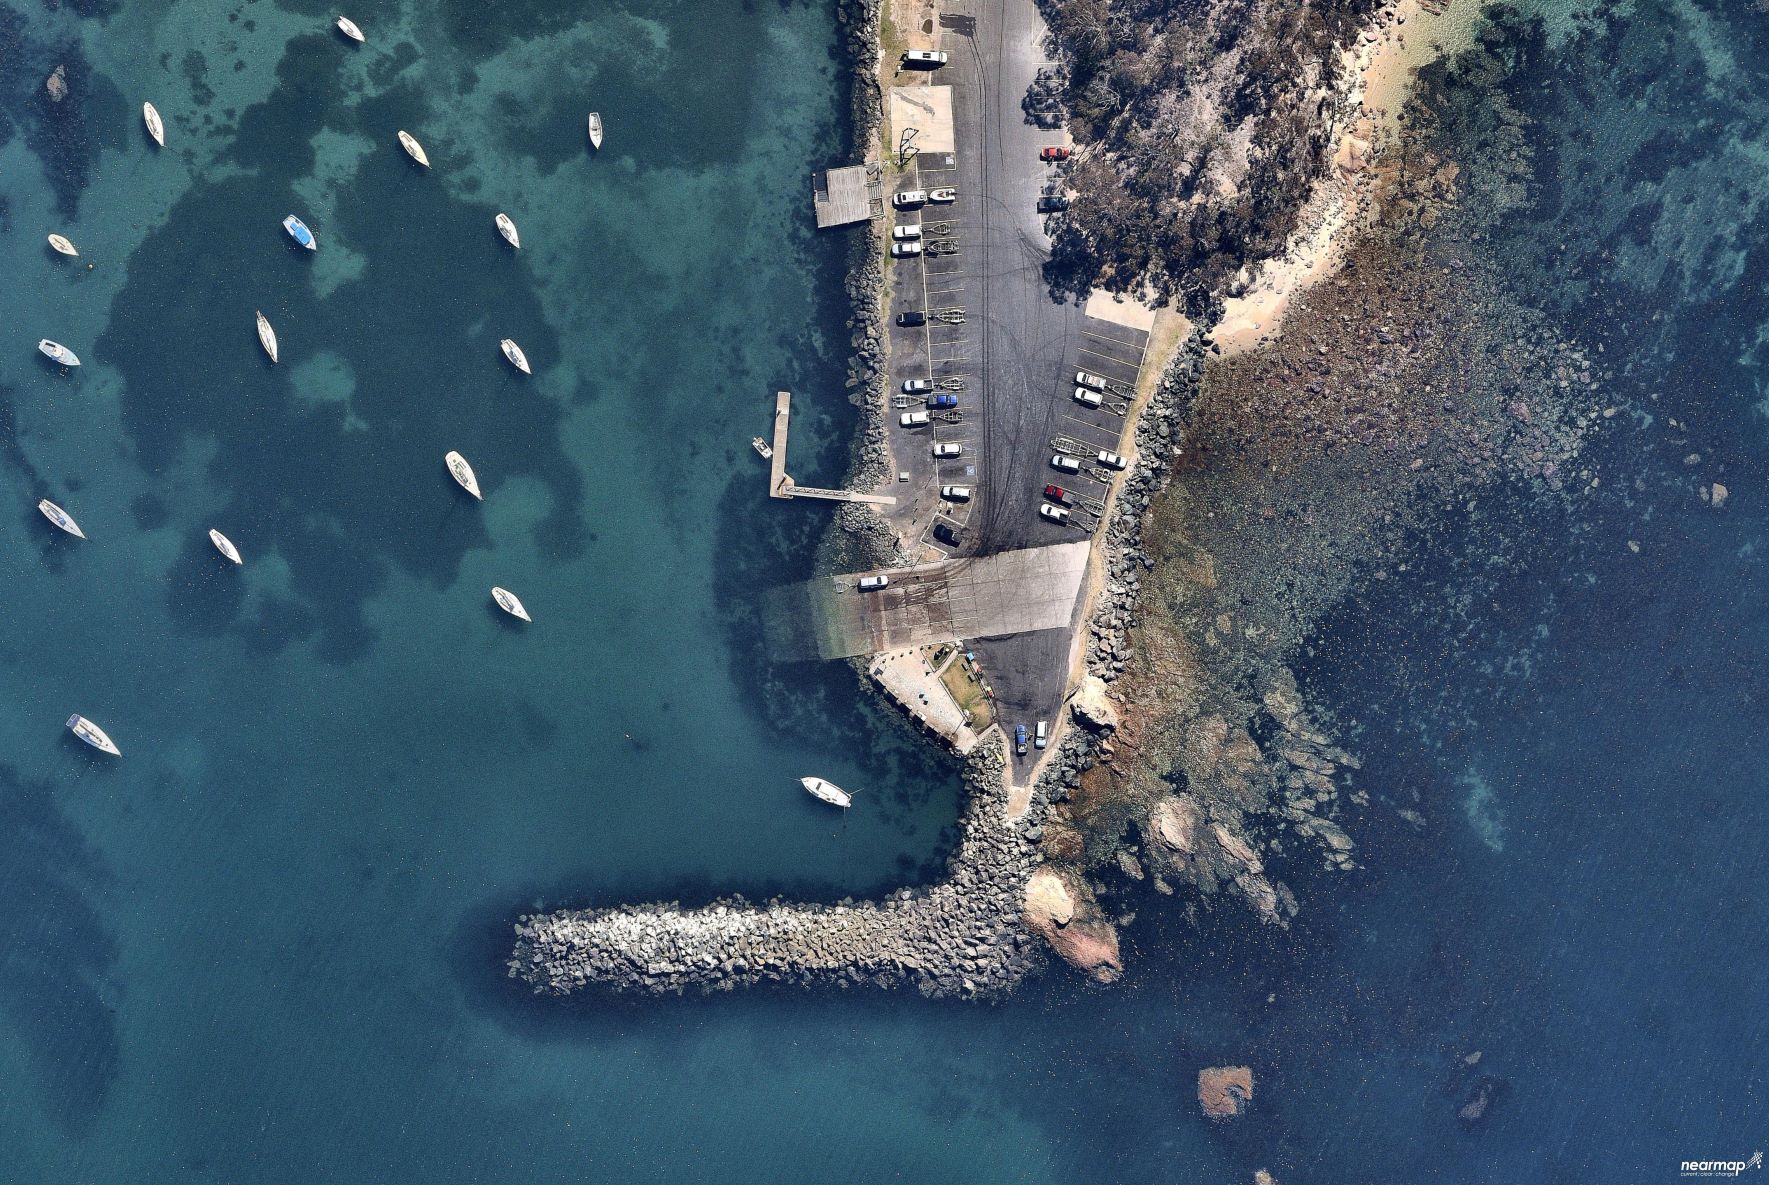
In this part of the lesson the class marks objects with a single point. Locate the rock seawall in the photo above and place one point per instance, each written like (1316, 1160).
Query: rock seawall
(961, 937)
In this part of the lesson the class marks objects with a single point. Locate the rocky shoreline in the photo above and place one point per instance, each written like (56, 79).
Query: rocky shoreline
(961, 937)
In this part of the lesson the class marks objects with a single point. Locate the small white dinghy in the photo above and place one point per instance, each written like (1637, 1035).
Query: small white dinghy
(61, 518)
(156, 127)
(507, 228)
(463, 474)
(514, 353)
(510, 603)
(267, 336)
(61, 244)
(348, 27)
(595, 129)
(827, 792)
(58, 352)
(412, 148)
(225, 546)
(93, 735)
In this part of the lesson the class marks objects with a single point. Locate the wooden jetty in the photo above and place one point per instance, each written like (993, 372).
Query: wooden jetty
(782, 486)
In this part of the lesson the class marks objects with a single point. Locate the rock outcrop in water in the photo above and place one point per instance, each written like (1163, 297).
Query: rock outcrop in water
(961, 937)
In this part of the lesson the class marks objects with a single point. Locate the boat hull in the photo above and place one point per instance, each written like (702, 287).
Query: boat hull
(61, 518)
(57, 352)
(93, 735)
(413, 149)
(507, 228)
(62, 245)
(825, 791)
(298, 231)
(267, 336)
(348, 27)
(156, 127)
(514, 353)
(463, 474)
(510, 603)
(225, 546)
(595, 127)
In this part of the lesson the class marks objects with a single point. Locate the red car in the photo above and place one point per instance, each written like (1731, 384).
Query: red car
(1059, 495)
(1054, 153)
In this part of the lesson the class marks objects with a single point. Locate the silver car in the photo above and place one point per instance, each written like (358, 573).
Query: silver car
(1090, 398)
(955, 493)
(948, 449)
(1112, 461)
(914, 419)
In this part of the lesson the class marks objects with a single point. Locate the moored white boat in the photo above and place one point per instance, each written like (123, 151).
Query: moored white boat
(507, 228)
(348, 27)
(267, 336)
(412, 148)
(225, 546)
(763, 447)
(93, 735)
(156, 127)
(827, 792)
(514, 353)
(61, 244)
(595, 129)
(298, 231)
(58, 352)
(61, 518)
(462, 473)
(510, 603)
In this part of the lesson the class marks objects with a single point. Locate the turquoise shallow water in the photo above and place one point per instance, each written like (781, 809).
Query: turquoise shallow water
(266, 945)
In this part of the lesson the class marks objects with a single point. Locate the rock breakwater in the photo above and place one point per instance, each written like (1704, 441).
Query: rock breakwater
(961, 937)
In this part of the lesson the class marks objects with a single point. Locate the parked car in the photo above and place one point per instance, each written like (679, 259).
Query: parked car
(917, 386)
(908, 199)
(1055, 514)
(1019, 739)
(923, 59)
(907, 250)
(946, 450)
(1042, 736)
(1090, 398)
(942, 196)
(911, 319)
(1059, 495)
(1091, 381)
(955, 493)
(873, 583)
(906, 233)
(1066, 463)
(914, 419)
(1054, 152)
(944, 401)
(948, 534)
(1052, 203)
(1112, 461)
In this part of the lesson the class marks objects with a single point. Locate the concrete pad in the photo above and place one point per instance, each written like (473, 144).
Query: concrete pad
(1120, 310)
(928, 109)
(907, 678)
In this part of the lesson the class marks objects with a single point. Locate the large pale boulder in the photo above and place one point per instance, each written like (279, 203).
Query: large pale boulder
(1091, 707)
(1225, 1091)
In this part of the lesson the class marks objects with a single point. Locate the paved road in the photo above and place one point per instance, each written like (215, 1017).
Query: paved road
(1018, 349)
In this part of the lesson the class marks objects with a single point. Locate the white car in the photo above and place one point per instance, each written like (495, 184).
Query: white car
(917, 386)
(1090, 398)
(1041, 737)
(873, 583)
(908, 199)
(1066, 463)
(1113, 461)
(924, 59)
(907, 250)
(948, 450)
(942, 196)
(955, 493)
(1092, 381)
(914, 419)
(906, 233)
(1055, 514)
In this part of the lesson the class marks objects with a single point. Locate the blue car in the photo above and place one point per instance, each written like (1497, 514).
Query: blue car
(1019, 739)
(942, 401)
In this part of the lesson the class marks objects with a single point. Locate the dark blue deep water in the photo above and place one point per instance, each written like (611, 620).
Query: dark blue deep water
(266, 945)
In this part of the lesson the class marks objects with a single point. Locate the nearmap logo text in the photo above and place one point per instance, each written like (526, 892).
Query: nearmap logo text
(1721, 1168)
